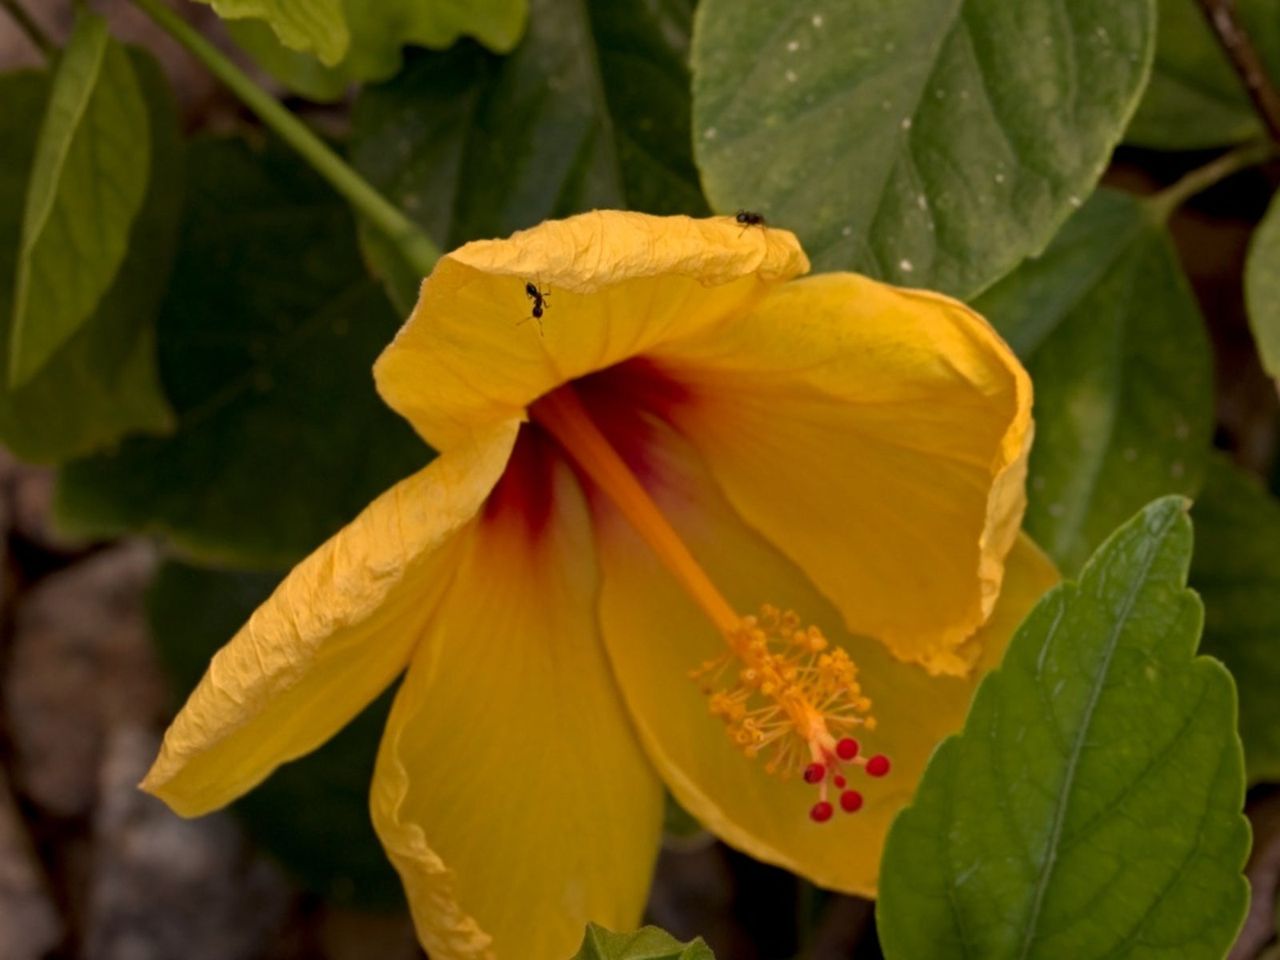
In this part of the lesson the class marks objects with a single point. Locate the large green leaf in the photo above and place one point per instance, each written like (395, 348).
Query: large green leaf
(1195, 98)
(1236, 570)
(1262, 288)
(316, 25)
(650, 943)
(1111, 334)
(102, 383)
(266, 342)
(379, 31)
(88, 181)
(313, 813)
(1091, 807)
(934, 143)
(591, 110)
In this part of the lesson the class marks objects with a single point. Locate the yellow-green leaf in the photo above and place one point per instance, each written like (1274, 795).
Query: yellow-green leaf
(87, 184)
(103, 382)
(379, 32)
(648, 943)
(316, 25)
(1262, 288)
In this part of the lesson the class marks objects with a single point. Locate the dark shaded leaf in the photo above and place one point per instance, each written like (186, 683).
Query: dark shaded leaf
(1195, 98)
(591, 110)
(1236, 570)
(1112, 336)
(266, 343)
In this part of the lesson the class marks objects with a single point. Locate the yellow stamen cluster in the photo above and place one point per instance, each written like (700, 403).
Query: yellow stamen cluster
(795, 693)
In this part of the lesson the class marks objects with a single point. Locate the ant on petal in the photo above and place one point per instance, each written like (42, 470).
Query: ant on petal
(749, 219)
(540, 300)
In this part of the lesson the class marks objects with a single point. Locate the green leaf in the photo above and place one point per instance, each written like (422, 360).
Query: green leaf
(379, 31)
(649, 943)
(103, 382)
(928, 142)
(1112, 336)
(1091, 807)
(591, 110)
(88, 181)
(1262, 288)
(1195, 98)
(1236, 570)
(267, 338)
(312, 814)
(934, 143)
(316, 25)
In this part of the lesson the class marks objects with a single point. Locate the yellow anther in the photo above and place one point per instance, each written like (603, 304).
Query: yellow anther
(796, 694)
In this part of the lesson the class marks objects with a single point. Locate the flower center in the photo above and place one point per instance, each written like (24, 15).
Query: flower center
(785, 694)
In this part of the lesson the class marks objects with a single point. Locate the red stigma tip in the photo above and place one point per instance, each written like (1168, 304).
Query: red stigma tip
(814, 773)
(821, 811)
(851, 801)
(839, 781)
(847, 748)
(878, 765)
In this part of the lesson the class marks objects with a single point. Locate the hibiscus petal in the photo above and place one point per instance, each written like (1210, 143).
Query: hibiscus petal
(332, 636)
(511, 792)
(654, 634)
(879, 438)
(617, 283)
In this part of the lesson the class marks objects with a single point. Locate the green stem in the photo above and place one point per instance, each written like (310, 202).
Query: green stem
(1215, 171)
(39, 39)
(415, 246)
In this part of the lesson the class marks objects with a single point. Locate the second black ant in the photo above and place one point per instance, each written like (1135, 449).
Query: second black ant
(749, 219)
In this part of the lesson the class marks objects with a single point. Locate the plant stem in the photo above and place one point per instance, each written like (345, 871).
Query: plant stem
(414, 245)
(39, 39)
(1236, 41)
(1215, 171)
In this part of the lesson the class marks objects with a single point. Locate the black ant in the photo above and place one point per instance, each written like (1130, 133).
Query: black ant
(540, 300)
(749, 219)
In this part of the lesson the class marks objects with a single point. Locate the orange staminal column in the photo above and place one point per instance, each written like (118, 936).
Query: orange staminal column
(785, 694)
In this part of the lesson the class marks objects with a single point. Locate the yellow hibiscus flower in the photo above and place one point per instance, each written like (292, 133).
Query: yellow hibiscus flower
(699, 496)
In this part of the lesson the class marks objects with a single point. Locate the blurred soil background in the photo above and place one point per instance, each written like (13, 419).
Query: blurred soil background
(90, 867)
